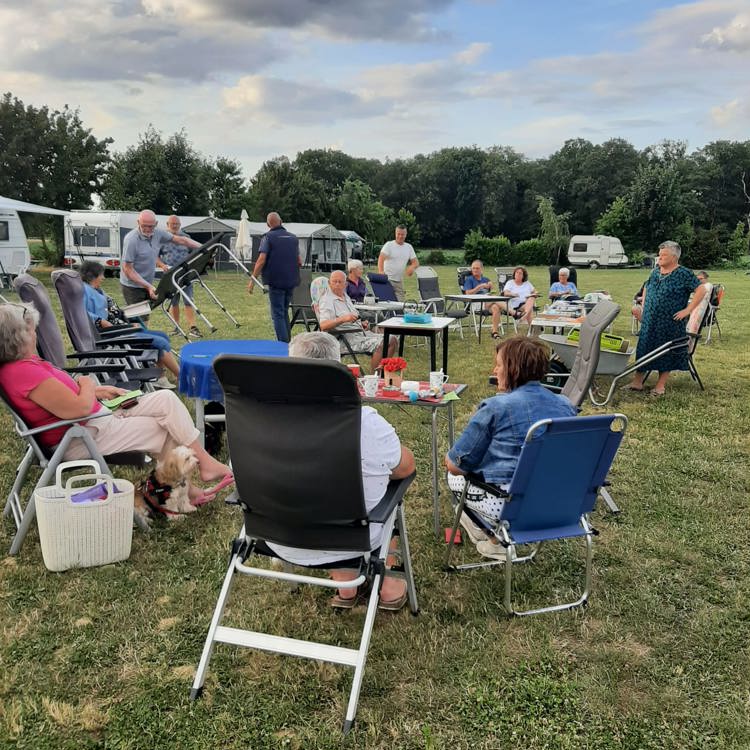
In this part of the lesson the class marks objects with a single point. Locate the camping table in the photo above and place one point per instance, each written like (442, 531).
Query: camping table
(198, 380)
(380, 308)
(563, 323)
(468, 299)
(434, 405)
(430, 330)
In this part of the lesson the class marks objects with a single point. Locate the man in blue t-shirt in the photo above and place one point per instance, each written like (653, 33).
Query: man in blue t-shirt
(278, 259)
(478, 283)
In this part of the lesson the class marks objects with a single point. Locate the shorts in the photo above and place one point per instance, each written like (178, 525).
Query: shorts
(364, 342)
(177, 299)
(134, 294)
(483, 503)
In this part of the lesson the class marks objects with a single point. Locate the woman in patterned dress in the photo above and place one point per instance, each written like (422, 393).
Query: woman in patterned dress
(665, 312)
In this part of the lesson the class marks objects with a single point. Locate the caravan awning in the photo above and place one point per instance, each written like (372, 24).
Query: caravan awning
(9, 204)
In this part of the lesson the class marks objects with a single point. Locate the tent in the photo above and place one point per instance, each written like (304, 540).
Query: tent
(10, 204)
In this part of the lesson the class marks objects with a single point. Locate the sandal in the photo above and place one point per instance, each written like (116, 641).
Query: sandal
(393, 605)
(495, 335)
(631, 387)
(349, 602)
(655, 392)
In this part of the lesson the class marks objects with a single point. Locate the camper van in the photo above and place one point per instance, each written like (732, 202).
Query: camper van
(595, 250)
(14, 249)
(97, 235)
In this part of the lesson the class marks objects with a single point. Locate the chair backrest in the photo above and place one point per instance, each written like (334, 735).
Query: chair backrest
(562, 465)
(504, 274)
(429, 289)
(425, 272)
(717, 295)
(49, 340)
(554, 274)
(587, 357)
(20, 426)
(381, 287)
(189, 269)
(318, 287)
(299, 421)
(301, 293)
(462, 272)
(69, 287)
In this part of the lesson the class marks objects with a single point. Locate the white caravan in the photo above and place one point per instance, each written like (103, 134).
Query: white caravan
(595, 250)
(15, 258)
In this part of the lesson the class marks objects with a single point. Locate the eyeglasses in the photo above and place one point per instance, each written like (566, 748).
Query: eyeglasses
(21, 307)
(147, 226)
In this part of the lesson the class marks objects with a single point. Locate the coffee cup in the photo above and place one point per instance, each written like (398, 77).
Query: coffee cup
(438, 379)
(369, 299)
(369, 385)
(355, 370)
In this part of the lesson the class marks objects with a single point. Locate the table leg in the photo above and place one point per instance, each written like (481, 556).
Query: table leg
(451, 428)
(445, 351)
(433, 351)
(435, 485)
(200, 420)
(401, 340)
(386, 341)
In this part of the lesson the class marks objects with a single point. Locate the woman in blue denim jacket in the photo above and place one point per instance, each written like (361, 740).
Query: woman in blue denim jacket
(492, 441)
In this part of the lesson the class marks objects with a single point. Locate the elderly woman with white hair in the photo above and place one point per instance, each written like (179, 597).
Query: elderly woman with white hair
(42, 394)
(563, 288)
(666, 308)
(355, 285)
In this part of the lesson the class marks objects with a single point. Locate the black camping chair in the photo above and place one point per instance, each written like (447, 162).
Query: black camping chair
(190, 270)
(302, 307)
(429, 292)
(310, 499)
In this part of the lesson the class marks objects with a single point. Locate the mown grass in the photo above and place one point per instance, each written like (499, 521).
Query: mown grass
(104, 657)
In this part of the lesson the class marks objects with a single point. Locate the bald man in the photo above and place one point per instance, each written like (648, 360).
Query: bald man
(279, 261)
(173, 253)
(140, 257)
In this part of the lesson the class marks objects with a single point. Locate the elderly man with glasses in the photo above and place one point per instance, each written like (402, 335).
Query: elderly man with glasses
(140, 257)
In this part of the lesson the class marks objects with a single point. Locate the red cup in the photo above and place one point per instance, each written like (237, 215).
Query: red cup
(355, 371)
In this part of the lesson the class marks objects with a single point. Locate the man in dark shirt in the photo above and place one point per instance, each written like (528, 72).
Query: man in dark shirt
(278, 259)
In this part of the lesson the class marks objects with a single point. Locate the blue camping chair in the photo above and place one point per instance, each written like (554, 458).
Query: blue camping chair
(539, 507)
(381, 287)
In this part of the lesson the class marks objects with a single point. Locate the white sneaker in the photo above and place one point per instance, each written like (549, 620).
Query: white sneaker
(163, 382)
(474, 532)
(488, 548)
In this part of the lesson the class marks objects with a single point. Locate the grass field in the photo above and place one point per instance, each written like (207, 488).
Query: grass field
(104, 658)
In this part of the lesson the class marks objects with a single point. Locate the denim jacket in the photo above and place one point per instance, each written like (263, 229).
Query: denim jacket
(492, 441)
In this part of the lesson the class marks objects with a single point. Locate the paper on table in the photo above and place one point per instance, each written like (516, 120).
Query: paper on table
(451, 396)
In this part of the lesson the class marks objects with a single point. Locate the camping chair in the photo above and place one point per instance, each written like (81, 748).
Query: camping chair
(302, 311)
(50, 343)
(381, 287)
(539, 505)
(48, 460)
(318, 288)
(579, 382)
(190, 270)
(717, 295)
(124, 346)
(429, 292)
(276, 409)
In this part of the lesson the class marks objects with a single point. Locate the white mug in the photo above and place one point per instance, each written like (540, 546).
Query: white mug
(369, 299)
(437, 379)
(370, 385)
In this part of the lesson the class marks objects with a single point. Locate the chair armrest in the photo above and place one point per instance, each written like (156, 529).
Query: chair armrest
(107, 333)
(63, 423)
(97, 368)
(129, 340)
(101, 354)
(478, 481)
(394, 495)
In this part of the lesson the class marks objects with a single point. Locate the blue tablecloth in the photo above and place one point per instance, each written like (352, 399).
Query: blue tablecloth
(197, 378)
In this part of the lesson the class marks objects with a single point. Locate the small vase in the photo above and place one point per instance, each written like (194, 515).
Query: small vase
(393, 379)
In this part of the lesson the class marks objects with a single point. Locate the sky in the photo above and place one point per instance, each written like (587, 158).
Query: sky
(386, 79)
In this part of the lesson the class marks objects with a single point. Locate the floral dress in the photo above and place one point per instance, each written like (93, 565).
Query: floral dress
(666, 294)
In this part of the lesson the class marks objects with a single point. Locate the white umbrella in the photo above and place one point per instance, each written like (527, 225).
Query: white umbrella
(243, 246)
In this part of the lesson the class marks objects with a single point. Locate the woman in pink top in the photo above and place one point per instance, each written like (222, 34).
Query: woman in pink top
(43, 394)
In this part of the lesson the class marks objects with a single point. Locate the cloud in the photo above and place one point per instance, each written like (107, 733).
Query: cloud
(731, 114)
(283, 102)
(343, 19)
(98, 41)
(733, 37)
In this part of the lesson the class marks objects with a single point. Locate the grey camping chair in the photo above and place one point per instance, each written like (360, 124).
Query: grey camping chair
(124, 346)
(429, 292)
(290, 404)
(301, 307)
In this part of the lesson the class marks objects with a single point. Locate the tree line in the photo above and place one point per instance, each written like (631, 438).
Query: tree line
(700, 198)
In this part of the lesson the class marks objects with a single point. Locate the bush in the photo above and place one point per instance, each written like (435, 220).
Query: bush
(492, 251)
(706, 250)
(433, 258)
(529, 253)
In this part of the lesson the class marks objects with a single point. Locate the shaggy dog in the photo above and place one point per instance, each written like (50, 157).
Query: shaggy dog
(166, 491)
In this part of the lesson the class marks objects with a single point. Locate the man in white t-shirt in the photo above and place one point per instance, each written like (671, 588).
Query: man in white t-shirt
(383, 458)
(397, 257)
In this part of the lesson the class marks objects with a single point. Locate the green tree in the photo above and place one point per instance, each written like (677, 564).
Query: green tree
(356, 208)
(48, 157)
(554, 231)
(738, 244)
(227, 195)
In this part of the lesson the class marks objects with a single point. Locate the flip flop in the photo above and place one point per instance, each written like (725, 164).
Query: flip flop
(210, 493)
(495, 335)
(654, 392)
(631, 387)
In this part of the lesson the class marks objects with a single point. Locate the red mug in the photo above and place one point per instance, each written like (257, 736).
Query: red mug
(354, 369)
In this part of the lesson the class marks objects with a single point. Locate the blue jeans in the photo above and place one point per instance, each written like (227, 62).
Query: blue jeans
(279, 300)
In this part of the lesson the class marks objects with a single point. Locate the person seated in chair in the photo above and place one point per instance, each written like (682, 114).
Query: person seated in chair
(105, 314)
(383, 458)
(523, 295)
(356, 289)
(336, 311)
(43, 394)
(478, 283)
(491, 443)
(563, 288)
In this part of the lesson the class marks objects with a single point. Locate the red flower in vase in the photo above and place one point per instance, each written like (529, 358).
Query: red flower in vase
(393, 364)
